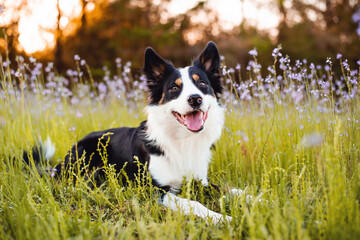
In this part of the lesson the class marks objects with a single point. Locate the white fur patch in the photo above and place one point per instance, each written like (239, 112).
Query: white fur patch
(187, 207)
(49, 148)
(186, 154)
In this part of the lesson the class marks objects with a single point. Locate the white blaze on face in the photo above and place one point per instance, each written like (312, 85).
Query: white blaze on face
(188, 88)
(186, 115)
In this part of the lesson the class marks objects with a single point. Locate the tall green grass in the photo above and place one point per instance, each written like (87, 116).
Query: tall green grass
(300, 164)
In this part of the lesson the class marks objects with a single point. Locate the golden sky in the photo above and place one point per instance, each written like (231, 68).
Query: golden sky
(40, 17)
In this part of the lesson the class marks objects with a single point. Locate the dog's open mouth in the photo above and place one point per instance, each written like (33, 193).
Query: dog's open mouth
(193, 121)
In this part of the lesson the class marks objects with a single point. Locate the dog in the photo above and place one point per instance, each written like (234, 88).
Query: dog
(184, 120)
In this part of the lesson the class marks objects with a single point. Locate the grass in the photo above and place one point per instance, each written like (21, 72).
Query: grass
(300, 157)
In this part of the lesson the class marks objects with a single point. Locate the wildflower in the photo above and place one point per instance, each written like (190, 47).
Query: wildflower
(346, 65)
(79, 114)
(118, 60)
(358, 62)
(328, 60)
(356, 16)
(102, 88)
(82, 62)
(276, 52)
(238, 66)
(74, 101)
(6, 63)
(327, 68)
(271, 69)
(338, 56)
(253, 52)
(76, 57)
(312, 140)
(127, 69)
(222, 58)
(356, 19)
(53, 172)
(243, 135)
(32, 59)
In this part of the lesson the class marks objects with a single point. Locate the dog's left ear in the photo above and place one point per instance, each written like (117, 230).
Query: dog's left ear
(209, 59)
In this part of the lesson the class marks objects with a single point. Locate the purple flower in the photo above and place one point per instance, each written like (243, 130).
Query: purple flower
(276, 52)
(102, 88)
(328, 60)
(356, 16)
(338, 56)
(76, 57)
(32, 59)
(253, 52)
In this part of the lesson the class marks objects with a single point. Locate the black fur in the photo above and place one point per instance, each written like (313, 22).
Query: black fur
(123, 145)
(162, 75)
(209, 61)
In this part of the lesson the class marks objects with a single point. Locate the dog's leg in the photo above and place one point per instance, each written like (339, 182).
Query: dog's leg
(188, 206)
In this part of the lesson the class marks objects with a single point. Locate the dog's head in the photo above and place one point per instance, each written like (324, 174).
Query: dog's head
(186, 94)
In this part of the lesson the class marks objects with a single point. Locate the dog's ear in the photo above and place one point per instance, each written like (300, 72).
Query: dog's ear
(155, 66)
(209, 59)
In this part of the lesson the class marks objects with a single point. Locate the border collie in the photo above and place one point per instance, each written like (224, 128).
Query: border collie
(184, 120)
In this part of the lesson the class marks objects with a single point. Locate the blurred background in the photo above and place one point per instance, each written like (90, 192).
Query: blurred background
(101, 31)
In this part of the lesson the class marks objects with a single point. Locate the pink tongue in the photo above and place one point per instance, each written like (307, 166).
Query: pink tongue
(193, 121)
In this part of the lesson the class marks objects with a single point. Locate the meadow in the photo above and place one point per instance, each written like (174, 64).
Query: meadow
(291, 140)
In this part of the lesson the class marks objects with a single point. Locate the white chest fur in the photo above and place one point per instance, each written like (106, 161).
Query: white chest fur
(186, 154)
(186, 160)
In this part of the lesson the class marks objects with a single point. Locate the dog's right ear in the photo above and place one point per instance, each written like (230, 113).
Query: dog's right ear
(155, 66)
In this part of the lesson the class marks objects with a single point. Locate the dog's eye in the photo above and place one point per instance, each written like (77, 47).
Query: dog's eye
(174, 89)
(202, 84)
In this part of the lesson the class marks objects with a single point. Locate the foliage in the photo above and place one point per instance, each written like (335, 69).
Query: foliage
(291, 140)
(123, 28)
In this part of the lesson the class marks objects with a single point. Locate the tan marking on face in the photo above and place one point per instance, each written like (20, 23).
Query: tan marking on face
(162, 99)
(178, 82)
(195, 77)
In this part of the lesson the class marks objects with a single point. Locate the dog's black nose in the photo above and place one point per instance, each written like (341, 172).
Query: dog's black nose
(195, 100)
